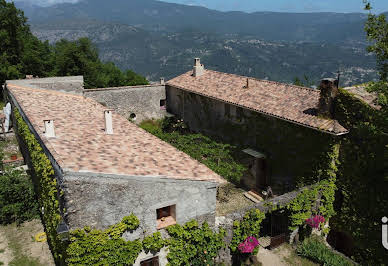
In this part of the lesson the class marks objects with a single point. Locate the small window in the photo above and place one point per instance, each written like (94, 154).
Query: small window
(227, 110)
(150, 262)
(163, 104)
(165, 217)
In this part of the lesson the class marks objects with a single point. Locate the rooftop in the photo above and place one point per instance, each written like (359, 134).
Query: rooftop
(283, 101)
(81, 144)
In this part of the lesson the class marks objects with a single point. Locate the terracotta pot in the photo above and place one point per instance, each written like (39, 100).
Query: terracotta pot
(14, 157)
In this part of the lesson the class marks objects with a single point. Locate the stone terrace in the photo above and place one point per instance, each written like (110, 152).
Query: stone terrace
(81, 144)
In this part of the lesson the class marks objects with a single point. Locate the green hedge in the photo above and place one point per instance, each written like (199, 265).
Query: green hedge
(314, 249)
(17, 198)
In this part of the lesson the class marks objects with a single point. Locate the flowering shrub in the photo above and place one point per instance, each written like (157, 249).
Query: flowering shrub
(315, 221)
(249, 244)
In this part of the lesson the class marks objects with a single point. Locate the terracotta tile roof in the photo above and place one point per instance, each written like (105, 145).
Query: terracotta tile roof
(82, 145)
(284, 101)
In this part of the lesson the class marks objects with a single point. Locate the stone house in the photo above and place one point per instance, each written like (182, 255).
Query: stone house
(107, 167)
(284, 130)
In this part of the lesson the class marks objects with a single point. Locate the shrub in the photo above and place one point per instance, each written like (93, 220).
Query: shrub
(314, 249)
(17, 198)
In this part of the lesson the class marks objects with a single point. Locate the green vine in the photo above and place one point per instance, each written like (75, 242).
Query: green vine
(193, 245)
(249, 226)
(45, 185)
(104, 247)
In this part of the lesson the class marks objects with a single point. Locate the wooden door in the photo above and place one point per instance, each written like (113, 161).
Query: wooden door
(261, 173)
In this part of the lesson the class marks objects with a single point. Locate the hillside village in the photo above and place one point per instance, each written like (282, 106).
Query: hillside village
(107, 168)
(216, 164)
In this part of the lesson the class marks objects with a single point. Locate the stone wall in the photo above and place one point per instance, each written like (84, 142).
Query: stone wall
(100, 200)
(141, 102)
(293, 152)
(73, 85)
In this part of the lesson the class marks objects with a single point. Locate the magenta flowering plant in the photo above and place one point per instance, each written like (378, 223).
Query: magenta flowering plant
(315, 221)
(249, 244)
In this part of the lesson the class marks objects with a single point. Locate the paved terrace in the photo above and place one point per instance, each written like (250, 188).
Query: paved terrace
(284, 101)
(81, 144)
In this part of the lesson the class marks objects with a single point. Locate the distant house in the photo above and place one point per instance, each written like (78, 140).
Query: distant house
(283, 129)
(108, 167)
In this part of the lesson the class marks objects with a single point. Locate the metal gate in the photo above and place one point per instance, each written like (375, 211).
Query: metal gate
(275, 229)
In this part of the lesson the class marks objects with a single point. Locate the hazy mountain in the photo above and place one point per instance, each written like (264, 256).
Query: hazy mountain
(169, 54)
(159, 39)
(161, 16)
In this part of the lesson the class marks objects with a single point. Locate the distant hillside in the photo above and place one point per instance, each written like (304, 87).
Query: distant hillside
(167, 54)
(161, 39)
(160, 16)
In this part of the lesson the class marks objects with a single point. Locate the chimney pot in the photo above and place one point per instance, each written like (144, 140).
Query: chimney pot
(108, 122)
(49, 130)
(328, 92)
(198, 69)
(162, 82)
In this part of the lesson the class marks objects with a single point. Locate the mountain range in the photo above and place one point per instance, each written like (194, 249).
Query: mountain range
(160, 39)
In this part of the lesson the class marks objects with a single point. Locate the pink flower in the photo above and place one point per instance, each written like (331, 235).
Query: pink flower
(315, 221)
(248, 245)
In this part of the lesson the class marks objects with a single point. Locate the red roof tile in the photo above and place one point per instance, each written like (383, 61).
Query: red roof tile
(82, 145)
(284, 101)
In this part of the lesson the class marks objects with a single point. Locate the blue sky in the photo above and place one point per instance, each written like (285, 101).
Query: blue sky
(341, 6)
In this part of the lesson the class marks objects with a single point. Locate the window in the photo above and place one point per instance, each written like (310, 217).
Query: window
(165, 217)
(150, 262)
(163, 104)
(227, 110)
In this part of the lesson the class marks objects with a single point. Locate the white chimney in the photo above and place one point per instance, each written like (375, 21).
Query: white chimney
(199, 69)
(108, 122)
(162, 81)
(49, 131)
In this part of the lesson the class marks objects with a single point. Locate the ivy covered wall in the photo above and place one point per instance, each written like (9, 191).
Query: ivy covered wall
(295, 154)
(362, 179)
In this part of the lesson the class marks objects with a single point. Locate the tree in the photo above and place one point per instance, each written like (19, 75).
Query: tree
(22, 53)
(376, 29)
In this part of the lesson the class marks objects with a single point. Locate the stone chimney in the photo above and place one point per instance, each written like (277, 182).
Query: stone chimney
(162, 81)
(329, 90)
(108, 122)
(49, 130)
(199, 69)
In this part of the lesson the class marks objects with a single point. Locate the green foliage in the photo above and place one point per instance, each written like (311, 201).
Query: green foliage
(193, 245)
(24, 54)
(21, 52)
(17, 197)
(362, 177)
(45, 185)
(153, 243)
(218, 156)
(318, 199)
(314, 249)
(80, 57)
(249, 226)
(104, 247)
(376, 29)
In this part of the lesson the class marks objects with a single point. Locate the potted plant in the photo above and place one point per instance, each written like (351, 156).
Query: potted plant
(14, 157)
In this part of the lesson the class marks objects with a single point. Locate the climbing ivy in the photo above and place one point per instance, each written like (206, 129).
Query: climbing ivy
(191, 244)
(45, 185)
(153, 243)
(362, 178)
(104, 247)
(318, 199)
(248, 226)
